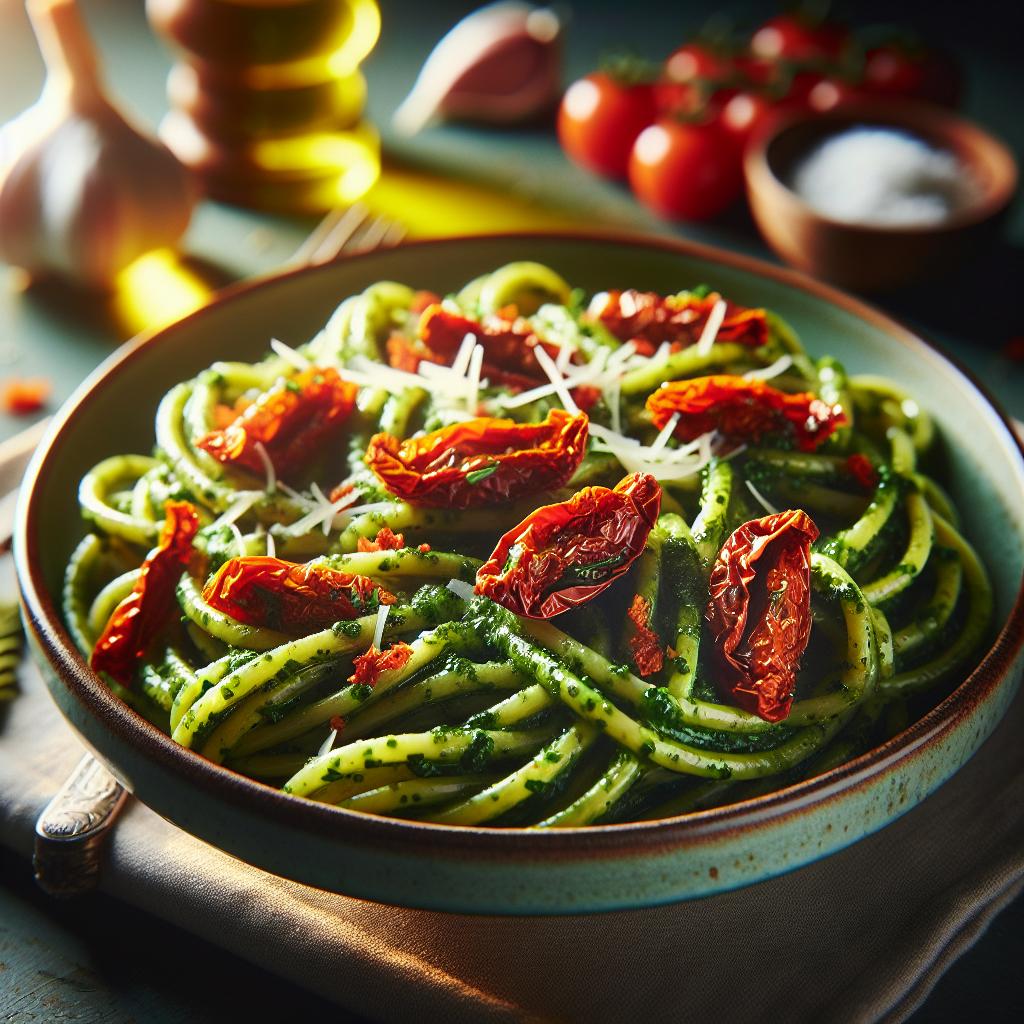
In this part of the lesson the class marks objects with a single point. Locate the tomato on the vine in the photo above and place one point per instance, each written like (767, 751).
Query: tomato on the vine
(789, 37)
(599, 119)
(744, 115)
(686, 171)
(699, 62)
(895, 70)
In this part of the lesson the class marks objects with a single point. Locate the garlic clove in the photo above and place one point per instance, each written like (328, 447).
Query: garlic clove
(83, 192)
(500, 64)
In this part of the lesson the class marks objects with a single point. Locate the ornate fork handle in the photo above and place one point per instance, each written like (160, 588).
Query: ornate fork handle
(70, 832)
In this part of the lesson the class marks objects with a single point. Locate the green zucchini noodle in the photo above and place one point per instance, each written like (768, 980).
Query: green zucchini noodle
(500, 720)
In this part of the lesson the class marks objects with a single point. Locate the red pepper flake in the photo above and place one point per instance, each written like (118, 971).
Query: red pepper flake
(339, 492)
(141, 615)
(23, 396)
(484, 461)
(291, 421)
(373, 663)
(743, 410)
(560, 556)
(648, 319)
(337, 723)
(385, 540)
(861, 469)
(644, 643)
(760, 611)
(424, 549)
(264, 591)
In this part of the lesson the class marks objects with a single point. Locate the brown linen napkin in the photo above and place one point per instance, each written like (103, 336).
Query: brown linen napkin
(862, 935)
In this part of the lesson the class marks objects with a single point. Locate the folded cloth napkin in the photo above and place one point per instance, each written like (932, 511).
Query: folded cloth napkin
(862, 935)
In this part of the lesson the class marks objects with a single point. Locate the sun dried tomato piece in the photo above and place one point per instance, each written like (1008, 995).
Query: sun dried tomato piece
(760, 611)
(290, 421)
(644, 643)
(290, 597)
(508, 340)
(370, 665)
(649, 319)
(141, 615)
(386, 540)
(560, 556)
(743, 410)
(485, 461)
(861, 469)
(25, 395)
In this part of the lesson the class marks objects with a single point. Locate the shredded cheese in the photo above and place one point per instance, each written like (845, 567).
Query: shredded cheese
(547, 364)
(327, 743)
(289, 355)
(238, 508)
(461, 589)
(378, 631)
(268, 467)
(711, 328)
(239, 539)
(761, 499)
(781, 365)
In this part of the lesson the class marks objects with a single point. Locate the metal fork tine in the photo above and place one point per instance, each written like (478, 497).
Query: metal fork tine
(316, 237)
(341, 235)
(394, 235)
(372, 237)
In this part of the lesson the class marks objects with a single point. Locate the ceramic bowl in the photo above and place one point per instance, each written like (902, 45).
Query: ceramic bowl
(862, 257)
(514, 871)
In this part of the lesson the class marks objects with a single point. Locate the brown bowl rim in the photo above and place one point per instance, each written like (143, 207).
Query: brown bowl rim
(44, 619)
(910, 115)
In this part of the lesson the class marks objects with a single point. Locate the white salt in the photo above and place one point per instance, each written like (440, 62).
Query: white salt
(883, 177)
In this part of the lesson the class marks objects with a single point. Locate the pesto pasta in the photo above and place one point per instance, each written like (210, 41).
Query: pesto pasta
(326, 624)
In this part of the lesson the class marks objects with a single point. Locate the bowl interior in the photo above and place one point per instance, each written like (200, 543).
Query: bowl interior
(988, 160)
(113, 412)
(513, 870)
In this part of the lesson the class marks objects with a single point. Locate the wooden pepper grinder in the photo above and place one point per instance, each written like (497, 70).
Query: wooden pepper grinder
(267, 98)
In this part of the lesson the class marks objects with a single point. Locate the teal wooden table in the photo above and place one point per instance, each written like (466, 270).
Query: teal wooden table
(96, 960)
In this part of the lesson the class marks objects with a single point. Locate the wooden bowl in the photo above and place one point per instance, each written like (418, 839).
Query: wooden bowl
(873, 258)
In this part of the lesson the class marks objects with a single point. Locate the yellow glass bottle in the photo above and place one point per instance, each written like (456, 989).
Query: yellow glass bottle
(267, 98)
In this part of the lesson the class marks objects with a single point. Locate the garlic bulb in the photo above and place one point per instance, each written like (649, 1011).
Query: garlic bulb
(500, 64)
(82, 192)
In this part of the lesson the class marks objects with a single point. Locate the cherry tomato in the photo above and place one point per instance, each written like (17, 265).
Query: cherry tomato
(686, 171)
(895, 70)
(698, 62)
(791, 38)
(599, 120)
(745, 115)
(816, 93)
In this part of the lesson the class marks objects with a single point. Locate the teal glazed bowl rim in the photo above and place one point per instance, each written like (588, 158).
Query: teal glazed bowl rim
(380, 852)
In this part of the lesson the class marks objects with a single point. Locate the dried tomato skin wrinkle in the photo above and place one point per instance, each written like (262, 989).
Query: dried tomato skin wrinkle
(650, 319)
(759, 613)
(290, 421)
(291, 597)
(743, 410)
(139, 617)
(560, 556)
(485, 461)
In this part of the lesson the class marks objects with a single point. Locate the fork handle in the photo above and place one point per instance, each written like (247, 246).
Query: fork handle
(71, 830)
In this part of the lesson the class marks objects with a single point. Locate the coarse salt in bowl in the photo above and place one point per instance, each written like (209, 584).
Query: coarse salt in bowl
(875, 196)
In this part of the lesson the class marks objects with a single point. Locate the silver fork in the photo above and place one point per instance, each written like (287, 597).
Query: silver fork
(72, 829)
